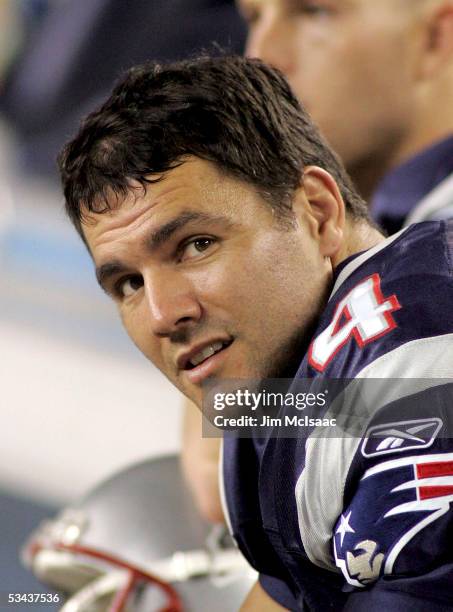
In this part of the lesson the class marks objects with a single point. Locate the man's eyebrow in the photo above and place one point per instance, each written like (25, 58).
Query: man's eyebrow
(165, 232)
(107, 270)
(157, 239)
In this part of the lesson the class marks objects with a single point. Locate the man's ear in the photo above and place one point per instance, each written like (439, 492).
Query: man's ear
(323, 203)
(438, 44)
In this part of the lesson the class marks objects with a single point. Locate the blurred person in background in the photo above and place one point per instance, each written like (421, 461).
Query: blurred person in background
(377, 77)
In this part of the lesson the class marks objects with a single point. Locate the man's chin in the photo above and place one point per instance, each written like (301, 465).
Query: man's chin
(192, 395)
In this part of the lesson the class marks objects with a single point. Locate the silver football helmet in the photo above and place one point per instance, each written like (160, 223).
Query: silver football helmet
(137, 544)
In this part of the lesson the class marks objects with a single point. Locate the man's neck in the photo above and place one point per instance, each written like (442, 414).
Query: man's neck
(359, 236)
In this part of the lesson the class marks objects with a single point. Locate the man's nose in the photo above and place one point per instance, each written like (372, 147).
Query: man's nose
(171, 303)
(268, 40)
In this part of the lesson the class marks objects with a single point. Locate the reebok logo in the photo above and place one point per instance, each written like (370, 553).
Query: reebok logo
(400, 436)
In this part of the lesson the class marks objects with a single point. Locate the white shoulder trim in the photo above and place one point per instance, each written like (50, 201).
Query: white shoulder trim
(361, 259)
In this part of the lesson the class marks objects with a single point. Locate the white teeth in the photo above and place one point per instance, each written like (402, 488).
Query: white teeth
(208, 351)
(217, 346)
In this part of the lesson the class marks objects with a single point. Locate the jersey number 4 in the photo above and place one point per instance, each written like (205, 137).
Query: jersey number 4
(363, 314)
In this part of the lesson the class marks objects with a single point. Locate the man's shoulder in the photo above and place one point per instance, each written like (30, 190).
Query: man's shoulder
(394, 296)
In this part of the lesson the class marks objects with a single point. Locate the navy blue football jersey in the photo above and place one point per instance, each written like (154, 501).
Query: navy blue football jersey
(363, 522)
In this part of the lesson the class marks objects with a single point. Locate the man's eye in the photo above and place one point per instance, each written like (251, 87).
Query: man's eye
(196, 247)
(316, 8)
(128, 286)
(310, 7)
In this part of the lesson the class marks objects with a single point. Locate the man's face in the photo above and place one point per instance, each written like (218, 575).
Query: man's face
(200, 264)
(350, 62)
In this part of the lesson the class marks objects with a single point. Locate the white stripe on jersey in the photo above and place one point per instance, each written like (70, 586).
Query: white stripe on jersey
(422, 364)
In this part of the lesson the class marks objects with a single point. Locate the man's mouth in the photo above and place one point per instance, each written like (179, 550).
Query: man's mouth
(206, 352)
(202, 362)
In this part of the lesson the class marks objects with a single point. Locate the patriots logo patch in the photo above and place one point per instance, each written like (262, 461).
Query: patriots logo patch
(368, 541)
(363, 563)
(400, 436)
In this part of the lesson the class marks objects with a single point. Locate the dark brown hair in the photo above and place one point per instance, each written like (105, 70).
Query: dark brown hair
(238, 113)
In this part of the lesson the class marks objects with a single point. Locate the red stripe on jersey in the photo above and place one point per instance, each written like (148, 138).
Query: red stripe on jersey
(431, 492)
(439, 468)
